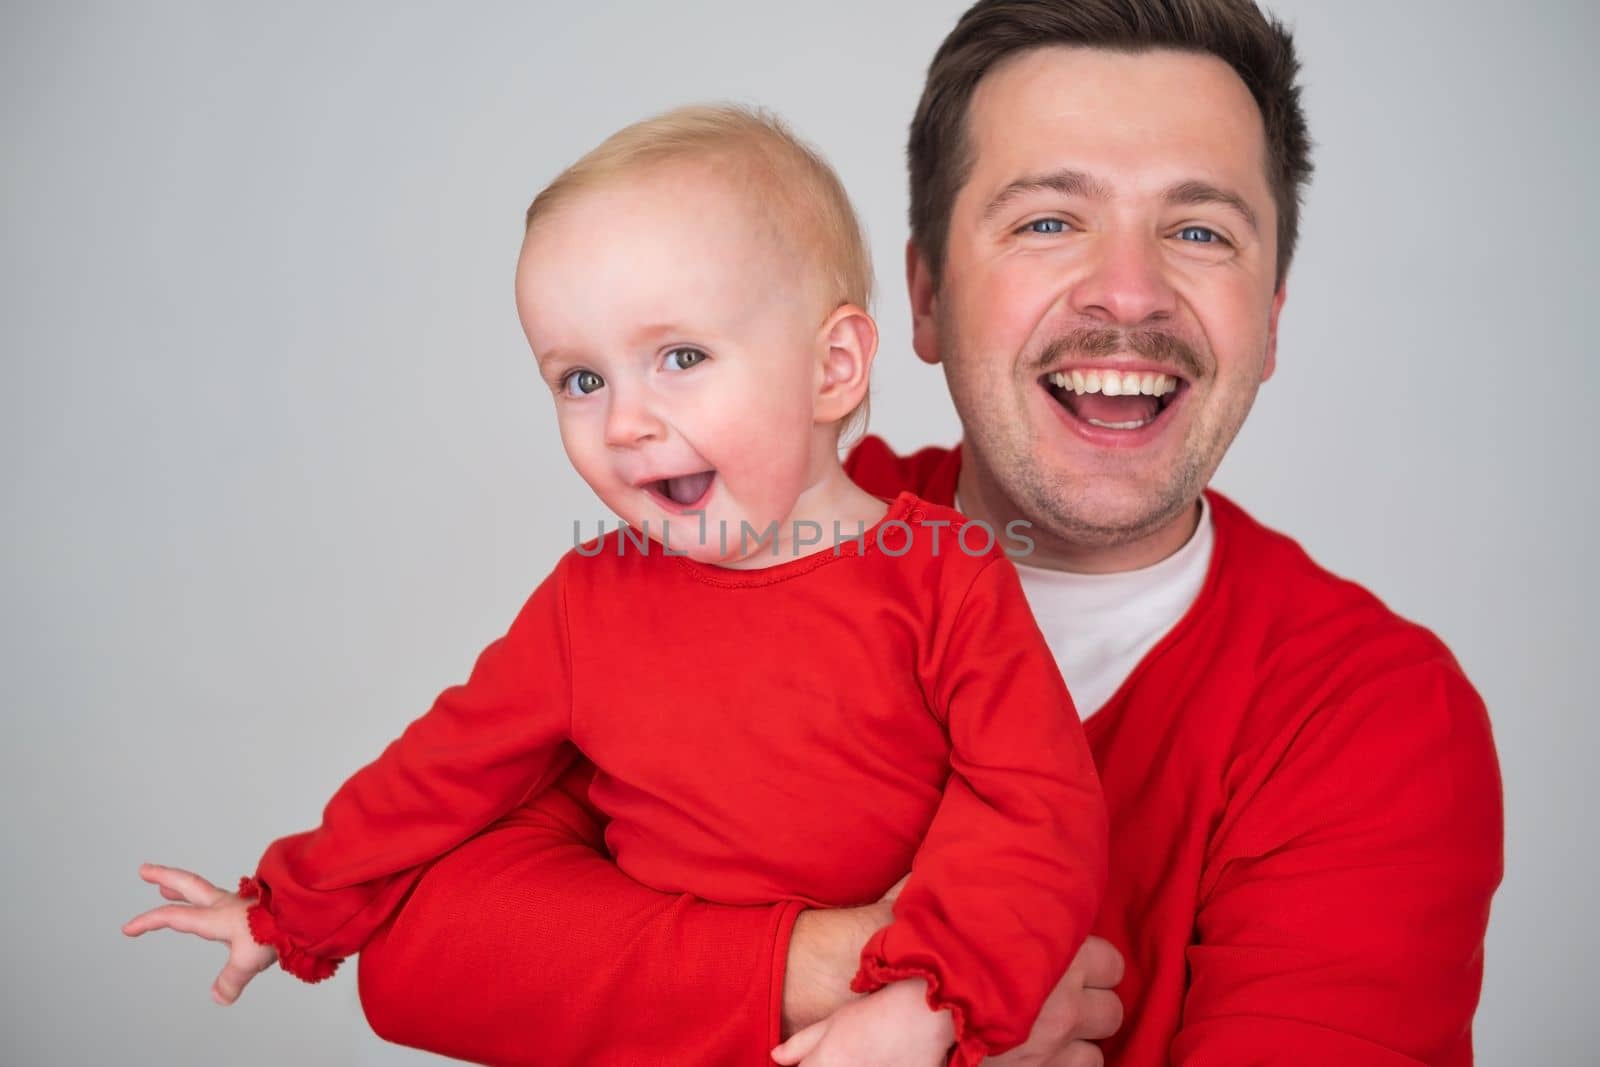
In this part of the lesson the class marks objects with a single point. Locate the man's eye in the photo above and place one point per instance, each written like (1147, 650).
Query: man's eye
(684, 358)
(581, 383)
(1046, 226)
(1200, 235)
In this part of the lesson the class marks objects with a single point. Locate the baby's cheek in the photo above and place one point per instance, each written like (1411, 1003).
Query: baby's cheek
(768, 437)
(588, 456)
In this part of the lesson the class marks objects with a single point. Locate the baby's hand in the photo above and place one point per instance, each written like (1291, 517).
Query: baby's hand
(891, 1028)
(213, 914)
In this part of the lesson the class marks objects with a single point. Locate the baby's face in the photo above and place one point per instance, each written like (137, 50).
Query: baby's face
(681, 348)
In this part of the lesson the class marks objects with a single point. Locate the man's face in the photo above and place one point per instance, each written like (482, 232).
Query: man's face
(1107, 308)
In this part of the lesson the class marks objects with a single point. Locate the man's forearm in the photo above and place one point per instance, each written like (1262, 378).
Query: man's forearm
(823, 952)
(528, 945)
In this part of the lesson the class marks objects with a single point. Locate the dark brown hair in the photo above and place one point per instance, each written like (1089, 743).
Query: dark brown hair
(1256, 46)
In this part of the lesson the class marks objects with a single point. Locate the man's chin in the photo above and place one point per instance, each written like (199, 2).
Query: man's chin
(1108, 516)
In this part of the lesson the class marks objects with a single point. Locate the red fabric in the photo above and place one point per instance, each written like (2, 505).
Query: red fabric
(800, 733)
(264, 928)
(1306, 833)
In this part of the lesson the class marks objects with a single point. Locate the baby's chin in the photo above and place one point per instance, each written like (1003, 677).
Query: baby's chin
(685, 536)
(753, 555)
(709, 554)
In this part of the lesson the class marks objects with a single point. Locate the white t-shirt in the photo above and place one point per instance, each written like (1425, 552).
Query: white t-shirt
(1101, 625)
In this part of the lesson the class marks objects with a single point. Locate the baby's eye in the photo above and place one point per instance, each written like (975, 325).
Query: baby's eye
(581, 383)
(1200, 235)
(1046, 226)
(684, 358)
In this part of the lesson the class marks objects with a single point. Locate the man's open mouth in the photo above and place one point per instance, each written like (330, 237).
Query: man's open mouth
(1114, 400)
(683, 490)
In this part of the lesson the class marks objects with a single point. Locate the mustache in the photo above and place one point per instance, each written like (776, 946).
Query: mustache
(1157, 346)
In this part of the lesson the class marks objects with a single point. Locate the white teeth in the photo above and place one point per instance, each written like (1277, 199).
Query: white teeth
(1134, 425)
(1114, 383)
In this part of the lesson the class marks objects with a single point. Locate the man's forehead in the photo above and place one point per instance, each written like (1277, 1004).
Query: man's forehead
(1153, 116)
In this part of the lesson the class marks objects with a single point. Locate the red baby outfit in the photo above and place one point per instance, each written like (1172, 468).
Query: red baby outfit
(804, 732)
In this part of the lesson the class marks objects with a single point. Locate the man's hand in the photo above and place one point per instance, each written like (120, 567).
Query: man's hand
(1081, 1010)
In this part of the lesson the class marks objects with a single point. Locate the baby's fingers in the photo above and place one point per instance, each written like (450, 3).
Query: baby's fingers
(178, 884)
(802, 1044)
(202, 922)
(243, 965)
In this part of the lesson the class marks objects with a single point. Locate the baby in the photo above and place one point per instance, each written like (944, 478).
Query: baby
(792, 690)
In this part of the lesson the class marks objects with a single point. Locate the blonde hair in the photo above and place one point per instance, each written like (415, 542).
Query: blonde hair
(757, 149)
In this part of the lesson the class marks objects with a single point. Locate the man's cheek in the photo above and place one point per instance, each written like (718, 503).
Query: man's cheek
(1000, 322)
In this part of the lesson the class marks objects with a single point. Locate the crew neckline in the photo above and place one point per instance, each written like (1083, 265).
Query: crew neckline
(905, 506)
(1117, 583)
(1102, 628)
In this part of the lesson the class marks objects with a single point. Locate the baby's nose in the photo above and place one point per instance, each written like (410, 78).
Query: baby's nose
(630, 421)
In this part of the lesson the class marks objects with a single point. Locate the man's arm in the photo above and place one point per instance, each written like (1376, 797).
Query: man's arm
(1342, 914)
(528, 945)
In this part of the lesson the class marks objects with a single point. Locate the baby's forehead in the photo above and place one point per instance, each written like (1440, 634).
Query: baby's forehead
(710, 205)
(720, 181)
(710, 191)
(690, 249)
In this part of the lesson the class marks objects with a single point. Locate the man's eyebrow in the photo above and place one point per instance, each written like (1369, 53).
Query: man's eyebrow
(1199, 192)
(1064, 182)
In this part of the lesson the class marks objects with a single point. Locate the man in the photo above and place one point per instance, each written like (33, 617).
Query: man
(1304, 795)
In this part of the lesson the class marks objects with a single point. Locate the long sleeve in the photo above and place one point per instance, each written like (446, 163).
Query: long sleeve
(1009, 878)
(527, 945)
(1343, 908)
(479, 751)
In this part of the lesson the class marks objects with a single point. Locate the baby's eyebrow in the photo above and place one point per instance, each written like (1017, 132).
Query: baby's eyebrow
(552, 365)
(655, 330)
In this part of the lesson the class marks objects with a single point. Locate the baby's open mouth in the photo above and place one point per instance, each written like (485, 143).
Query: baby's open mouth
(1113, 400)
(684, 490)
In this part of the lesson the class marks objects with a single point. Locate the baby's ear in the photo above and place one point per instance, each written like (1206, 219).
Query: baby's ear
(846, 345)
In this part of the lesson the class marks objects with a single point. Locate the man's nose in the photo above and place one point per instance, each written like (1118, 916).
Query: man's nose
(1125, 283)
(630, 420)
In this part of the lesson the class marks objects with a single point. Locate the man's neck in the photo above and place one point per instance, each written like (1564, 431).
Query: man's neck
(981, 499)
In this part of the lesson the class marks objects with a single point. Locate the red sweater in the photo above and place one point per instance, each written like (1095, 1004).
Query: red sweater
(1306, 832)
(800, 733)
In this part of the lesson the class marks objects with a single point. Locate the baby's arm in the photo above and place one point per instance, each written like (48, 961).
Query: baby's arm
(1010, 875)
(481, 749)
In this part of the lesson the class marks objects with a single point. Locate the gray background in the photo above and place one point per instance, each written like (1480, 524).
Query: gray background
(277, 463)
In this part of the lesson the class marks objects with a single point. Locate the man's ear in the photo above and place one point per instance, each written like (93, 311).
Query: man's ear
(847, 343)
(924, 302)
(1272, 329)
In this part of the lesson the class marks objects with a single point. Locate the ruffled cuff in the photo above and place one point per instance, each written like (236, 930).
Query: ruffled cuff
(875, 974)
(264, 928)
